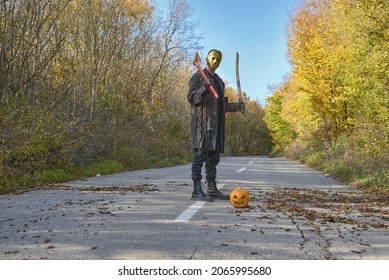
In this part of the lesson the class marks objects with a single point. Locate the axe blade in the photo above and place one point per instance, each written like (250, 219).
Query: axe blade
(238, 80)
(197, 58)
(196, 63)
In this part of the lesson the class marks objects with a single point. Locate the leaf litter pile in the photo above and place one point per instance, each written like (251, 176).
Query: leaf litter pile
(141, 188)
(361, 209)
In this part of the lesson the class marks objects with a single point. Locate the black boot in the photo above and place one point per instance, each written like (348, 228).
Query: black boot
(198, 193)
(214, 193)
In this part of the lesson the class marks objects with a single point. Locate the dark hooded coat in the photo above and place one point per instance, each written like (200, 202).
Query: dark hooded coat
(208, 113)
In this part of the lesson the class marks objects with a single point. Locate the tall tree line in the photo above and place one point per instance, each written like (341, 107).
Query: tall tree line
(88, 81)
(333, 109)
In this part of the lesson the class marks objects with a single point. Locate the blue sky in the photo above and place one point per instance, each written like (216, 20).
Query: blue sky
(257, 29)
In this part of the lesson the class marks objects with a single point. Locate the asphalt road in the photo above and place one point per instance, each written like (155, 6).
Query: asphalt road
(295, 213)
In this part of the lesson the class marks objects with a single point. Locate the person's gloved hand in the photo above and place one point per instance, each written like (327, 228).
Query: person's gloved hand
(206, 83)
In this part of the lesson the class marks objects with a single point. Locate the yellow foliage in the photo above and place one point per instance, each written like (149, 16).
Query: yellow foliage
(338, 87)
(137, 9)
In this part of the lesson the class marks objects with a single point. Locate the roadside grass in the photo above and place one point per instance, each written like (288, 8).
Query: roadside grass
(44, 178)
(351, 167)
(47, 178)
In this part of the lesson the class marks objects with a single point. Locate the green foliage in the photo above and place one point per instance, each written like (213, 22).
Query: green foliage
(315, 159)
(52, 176)
(46, 177)
(107, 167)
(280, 129)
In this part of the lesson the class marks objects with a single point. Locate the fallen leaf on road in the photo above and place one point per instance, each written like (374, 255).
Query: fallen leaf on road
(358, 251)
(10, 252)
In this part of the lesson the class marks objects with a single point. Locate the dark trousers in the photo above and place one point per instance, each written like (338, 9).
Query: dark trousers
(211, 160)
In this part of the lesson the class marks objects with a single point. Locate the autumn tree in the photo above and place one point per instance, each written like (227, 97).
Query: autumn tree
(84, 83)
(280, 128)
(338, 88)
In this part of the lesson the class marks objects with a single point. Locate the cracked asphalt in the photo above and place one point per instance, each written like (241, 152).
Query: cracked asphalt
(295, 213)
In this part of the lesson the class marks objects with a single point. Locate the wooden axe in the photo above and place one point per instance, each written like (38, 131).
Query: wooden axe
(196, 63)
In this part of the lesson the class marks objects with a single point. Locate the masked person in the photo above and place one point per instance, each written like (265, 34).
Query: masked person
(208, 124)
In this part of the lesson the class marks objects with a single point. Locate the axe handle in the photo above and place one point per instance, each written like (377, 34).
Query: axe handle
(206, 78)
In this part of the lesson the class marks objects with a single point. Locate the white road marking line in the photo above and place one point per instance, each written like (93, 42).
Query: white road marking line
(189, 213)
(240, 170)
(192, 210)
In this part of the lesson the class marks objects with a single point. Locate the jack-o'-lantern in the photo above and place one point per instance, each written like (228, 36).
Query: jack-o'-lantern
(239, 198)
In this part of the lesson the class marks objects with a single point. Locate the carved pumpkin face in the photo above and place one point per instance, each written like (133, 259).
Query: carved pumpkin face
(239, 198)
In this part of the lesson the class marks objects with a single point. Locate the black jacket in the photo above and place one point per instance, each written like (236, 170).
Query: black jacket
(208, 113)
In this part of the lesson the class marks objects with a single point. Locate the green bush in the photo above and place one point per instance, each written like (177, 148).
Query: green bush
(106, 167)
(315, 159)
(52, 176)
